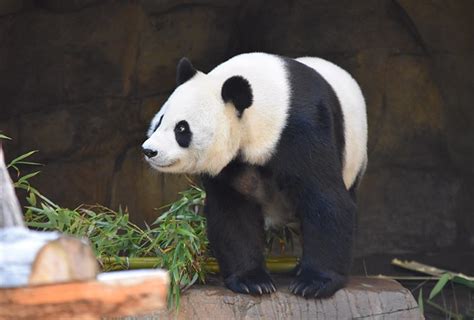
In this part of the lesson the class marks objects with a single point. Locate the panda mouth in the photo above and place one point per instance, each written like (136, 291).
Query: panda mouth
(160, 166)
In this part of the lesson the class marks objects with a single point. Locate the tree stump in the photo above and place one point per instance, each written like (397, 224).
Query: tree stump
(362, 298)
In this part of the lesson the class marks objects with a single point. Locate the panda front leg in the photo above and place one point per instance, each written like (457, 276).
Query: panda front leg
(235, 232)
(327, 224)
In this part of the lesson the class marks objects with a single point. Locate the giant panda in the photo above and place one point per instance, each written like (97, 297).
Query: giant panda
(274, 139)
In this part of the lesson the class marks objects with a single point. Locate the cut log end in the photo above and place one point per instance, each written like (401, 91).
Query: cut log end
(64, 259)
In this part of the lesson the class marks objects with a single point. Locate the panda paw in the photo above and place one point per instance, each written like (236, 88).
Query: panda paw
(316, 284)
(256, 282)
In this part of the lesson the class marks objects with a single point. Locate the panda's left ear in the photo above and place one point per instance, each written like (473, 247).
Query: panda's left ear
(237, 90)
(184, 71)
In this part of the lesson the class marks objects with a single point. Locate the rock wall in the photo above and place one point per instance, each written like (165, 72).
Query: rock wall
(81, 79)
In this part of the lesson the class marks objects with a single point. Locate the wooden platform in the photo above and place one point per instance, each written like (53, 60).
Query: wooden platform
(364, 298)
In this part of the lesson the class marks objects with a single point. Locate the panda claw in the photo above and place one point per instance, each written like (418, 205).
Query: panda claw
(304, 291)
(299, 287)
(317, 284)
(292, 286)
(257, 282)
(271, 288)
(268, 288)
(316, 294)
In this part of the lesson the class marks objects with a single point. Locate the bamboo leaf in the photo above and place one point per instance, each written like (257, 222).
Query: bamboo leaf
(25, 178)
(23, 156)
(449, 314)
(31, 199)
(29, 163)
(420, 301)
(2, 136)
(439, 285)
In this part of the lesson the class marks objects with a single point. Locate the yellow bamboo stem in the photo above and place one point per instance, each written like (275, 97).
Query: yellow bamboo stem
(274, 264)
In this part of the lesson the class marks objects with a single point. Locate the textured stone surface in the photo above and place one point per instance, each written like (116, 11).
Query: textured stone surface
(387, 203)
(200, 32)
(10, 6)
(54, 132)
(81, 80)
(299, 28)
(53, 58)
(75, 182)
(363, 298)
(66, 6)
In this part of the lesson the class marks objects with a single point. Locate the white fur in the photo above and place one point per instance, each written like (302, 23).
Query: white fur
(355, 118)
(197, 102)
(261, 124)
(218, 134)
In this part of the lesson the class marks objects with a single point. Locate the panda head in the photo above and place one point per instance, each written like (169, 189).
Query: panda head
(198, 129)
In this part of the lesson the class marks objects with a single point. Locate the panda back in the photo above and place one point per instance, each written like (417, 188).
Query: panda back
(353, 109)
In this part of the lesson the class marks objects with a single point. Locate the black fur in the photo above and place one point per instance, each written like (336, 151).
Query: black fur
(235, 231)
(355, 185)
(238, 91)
(185, 71)
(307, 168)
(183, 137)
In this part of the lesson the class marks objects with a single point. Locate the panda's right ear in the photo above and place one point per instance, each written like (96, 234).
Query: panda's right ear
(184, 71)
(237, 90)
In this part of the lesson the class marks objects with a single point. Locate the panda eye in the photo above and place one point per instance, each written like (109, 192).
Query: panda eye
(181, 127)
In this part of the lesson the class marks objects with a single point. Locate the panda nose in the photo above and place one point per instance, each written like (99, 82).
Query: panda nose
(149, 153)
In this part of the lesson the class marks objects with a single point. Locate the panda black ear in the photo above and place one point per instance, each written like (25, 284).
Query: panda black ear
(237, 90)
(184, 71)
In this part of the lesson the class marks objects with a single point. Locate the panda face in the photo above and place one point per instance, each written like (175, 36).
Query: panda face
(194, 132)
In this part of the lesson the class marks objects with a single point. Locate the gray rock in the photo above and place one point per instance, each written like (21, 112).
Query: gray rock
(10, 6)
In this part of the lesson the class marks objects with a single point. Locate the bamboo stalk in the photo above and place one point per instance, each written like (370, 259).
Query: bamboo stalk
(274, 264)
(282, 264)
(433, 271)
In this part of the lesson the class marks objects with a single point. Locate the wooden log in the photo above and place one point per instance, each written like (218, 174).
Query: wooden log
(115, 294)
(31, 257)
(363, 298)
(64, 259)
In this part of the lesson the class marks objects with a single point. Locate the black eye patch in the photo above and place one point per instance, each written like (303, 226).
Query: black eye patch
(158, 124)
(183, 134)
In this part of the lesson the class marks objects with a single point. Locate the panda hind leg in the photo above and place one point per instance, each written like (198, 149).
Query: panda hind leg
(327, 223)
